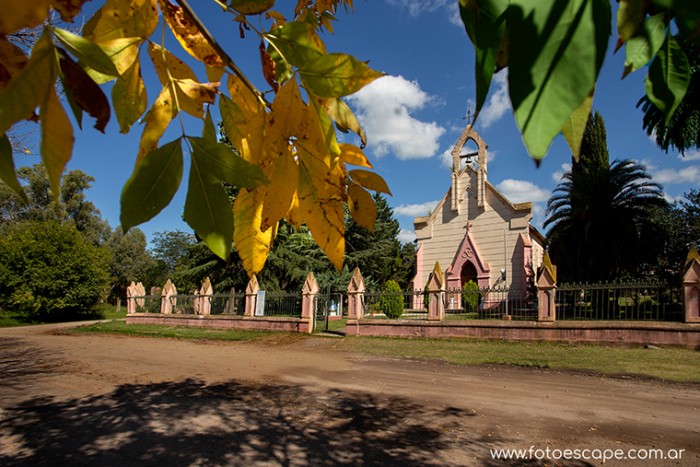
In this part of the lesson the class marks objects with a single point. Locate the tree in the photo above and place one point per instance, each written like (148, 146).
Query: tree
(554, 51)
(170, 247)
(376, 253)
(682, 130)
(391, 301)
(600, 222)
(48, 270)
(594, 146)
(130, 261)
(291, 165)
(72, 205)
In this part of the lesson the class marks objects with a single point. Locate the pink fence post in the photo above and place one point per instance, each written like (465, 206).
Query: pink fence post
(547, 290)
(251, 296)
(166, 304)
(356, 294)
(130, 298)
(308, 302)
(140, 292)
(205, 294)
(691, 286)
(436, 291)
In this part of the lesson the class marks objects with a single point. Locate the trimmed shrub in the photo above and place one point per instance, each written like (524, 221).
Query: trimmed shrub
(470, 296)
(50, 271)
(391, 302)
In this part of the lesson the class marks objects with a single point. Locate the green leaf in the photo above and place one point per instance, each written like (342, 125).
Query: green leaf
(556, 52)
(152, 186)
(7, 168)
(575, 125)
(31, 86)
(485, 26)
(209, 130)
(219, 161)
(668, 77)
(129, 97)
(640, 49)
(344, 118)
(86, 51)
(293, 44)
(336, 75)
(208, 211)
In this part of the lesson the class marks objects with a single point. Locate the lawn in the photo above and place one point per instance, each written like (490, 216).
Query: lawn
(102, 311)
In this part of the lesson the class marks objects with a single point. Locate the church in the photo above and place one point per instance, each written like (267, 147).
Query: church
(475, 233)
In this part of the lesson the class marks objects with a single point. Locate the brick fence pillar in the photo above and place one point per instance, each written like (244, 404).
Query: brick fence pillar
(436, 292)
(166, 304)
(546, 290)
(251, 296)
(204, 297)
(356, 294)
(131, 298)
(308, 303)
(691, 287)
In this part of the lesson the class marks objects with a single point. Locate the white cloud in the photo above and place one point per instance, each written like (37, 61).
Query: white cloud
(455, 18)
(522, 191)
(384, 109)
(415, 210)
(417, 7)
(498, 103)
(406, 236)
(674, 177)
(557, 175)
(692, 155)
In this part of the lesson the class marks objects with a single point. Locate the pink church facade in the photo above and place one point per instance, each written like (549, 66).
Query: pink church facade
(475, 232)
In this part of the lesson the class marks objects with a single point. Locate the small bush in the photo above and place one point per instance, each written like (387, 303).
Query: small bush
(470, 296)
(391, 302)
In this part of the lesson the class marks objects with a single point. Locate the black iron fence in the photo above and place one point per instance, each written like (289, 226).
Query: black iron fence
(647, 301)
(491, 303)
(413, 304)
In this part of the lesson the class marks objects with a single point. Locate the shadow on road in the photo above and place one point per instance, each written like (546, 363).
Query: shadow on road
(188, 422)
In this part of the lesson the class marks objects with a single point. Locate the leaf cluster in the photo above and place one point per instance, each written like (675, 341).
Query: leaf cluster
(287, 161)
(554, 51)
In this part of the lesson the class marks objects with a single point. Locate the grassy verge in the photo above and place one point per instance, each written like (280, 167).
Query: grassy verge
(103, 311)
(178, 332)
(669, 363)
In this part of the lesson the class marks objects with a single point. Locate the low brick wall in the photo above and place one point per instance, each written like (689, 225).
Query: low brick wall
(223, 322)
(631, 332)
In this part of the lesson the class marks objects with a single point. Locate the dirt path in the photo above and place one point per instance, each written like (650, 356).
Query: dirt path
(103, 400)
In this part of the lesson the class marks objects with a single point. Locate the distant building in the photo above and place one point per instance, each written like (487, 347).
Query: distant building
(475, 232)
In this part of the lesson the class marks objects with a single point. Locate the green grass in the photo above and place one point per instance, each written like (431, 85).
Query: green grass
(178, 332)
(669, 363)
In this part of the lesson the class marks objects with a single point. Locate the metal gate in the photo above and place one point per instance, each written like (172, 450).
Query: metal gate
(329, 306)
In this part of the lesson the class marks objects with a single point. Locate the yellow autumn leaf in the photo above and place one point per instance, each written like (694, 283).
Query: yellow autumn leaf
(18, 14)
(253, 245)
(369, 180)
(243, 97)
(168, 65)
(361, 206)
(252, 7)
(157, 121)
(12, 60)
(279, 193)
(351, 154)
(123, 52)
(56, 139)
(193, 95)
(188, 35)
(245, 131)
(214, 74)
(122, 18)
(321, 209)
(344, 118)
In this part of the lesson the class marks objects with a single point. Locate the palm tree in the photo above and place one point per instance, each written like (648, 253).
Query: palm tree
(600, 222)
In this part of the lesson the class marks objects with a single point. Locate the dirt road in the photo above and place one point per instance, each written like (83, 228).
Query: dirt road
(103, 400)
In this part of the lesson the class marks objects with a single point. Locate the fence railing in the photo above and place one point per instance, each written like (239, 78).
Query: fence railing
(415, 304)
(647, 301)
(276, 304)
(490, 303)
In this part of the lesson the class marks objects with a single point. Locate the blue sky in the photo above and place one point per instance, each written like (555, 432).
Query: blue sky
(412, 117)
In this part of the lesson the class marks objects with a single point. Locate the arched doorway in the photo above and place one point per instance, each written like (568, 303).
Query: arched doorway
(468, 273)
